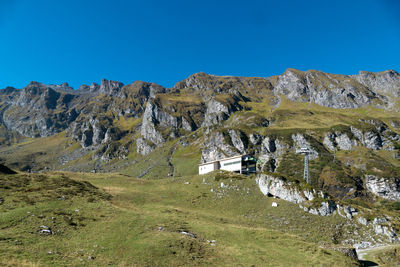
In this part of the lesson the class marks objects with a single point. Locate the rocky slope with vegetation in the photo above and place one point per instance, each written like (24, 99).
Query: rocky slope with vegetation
(350, 123)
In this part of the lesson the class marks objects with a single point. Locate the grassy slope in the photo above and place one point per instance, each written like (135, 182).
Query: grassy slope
(247, 230)
(35, 153)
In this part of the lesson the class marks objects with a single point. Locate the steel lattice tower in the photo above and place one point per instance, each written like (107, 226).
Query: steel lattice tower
(306, 152)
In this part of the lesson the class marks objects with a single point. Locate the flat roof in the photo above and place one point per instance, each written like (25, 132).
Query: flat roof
(221, 160)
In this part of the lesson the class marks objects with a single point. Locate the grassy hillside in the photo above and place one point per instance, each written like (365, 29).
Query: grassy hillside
(168, 222)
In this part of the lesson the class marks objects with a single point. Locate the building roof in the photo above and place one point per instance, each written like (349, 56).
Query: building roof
(206, 163)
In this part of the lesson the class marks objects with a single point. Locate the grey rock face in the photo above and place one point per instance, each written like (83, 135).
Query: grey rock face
(110, 87)
(363, 221)
(357, 133)
(270, 185)
(373, 141)
(293, 86)
(386, 83)
(326, 209)
(236, 138)
(38, 111)
(215, 147)
(148, 130)
(382, 187)
(381, 138)
(269, 145)
(153, 118)
(335, 91)
(271, 153)
(255, 139)
(340, 140)
(379, 220)
(273, 186)
(210, 85)
(110, 151)
(196, 82)
(309, 195)
(143, 147)
(348, 211)
(381, 226)
(93, 131)
(215, 114)
(301, 142)
(186, 125)
(347, 97)
(344, 142)
(329, 141)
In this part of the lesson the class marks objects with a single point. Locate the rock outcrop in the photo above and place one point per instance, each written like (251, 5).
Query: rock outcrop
(216, 147)
(339, 140)
(301, 142)
(271, 152)
(148, 129)
(385, 83)
(157, 121)
(383, 187)
(217, 112)
(278, 187)
(335, 91)
(39, 111)
(94, 131)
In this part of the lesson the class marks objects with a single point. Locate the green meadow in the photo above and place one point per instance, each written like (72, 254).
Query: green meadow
(116, 220)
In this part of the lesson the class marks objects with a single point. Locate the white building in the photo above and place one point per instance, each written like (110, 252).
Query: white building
(233, 164)
(208, 167)
(240, 164)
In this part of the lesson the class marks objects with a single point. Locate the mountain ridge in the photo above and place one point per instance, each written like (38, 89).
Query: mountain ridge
(105, 126)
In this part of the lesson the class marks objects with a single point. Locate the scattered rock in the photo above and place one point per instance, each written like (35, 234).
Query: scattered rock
(45, 230)
(363, 221)
(188, 234)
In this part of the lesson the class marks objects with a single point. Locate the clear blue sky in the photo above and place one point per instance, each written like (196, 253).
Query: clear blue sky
(82, 41)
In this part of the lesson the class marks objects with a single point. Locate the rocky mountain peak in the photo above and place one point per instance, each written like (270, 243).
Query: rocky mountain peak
(144, 89)
(35, 84)
(62, 87)
(109, 87)
(197, 81)
(8, 90)
(93, 88)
